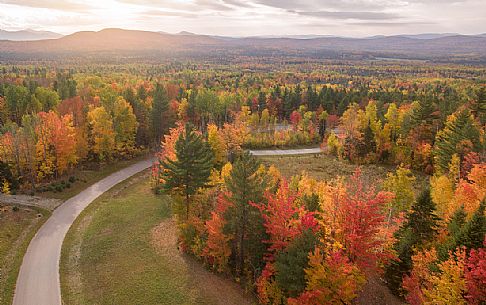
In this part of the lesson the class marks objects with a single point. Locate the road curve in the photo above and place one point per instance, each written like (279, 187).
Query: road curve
(38, 282)
(282, 152)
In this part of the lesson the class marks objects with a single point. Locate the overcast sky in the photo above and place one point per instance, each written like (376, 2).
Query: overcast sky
(355, 18)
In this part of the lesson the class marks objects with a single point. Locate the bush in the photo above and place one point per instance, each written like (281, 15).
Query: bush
(72, 179)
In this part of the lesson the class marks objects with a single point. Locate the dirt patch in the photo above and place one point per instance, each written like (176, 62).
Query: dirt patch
(25, 200)
(375, 292)
(218, 289)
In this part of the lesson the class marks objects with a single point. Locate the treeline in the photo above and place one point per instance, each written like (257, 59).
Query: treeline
(304, 241)
(46, 131)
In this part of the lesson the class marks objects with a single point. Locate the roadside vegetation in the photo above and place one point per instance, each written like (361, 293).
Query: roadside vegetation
(18, 225)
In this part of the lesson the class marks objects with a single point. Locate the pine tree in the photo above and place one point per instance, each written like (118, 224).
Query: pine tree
(191, 169)
(291, 263)
(469, 234)
(459, 127)
(420, 227)
(246, 184)
(160, 106)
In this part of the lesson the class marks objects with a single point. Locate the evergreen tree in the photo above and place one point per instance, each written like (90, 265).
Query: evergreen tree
(459, 127)
(291, 263)
(419, 228)
(469, 234)
(246, 184)
(160, 106)
(191, 169)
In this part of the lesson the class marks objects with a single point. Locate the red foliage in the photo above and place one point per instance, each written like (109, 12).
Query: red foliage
(283, 219)
(295, 118)
(475, 274)
(361, 219)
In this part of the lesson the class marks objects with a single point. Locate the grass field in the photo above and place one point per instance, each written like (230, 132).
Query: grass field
(325, 167)
(17, 227)
(123, 250)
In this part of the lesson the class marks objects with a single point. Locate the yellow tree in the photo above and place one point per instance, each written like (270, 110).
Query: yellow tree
(125, 126)
(442, 193)
(102, 132)
(400, 184)
(217, 144)
(449, 285)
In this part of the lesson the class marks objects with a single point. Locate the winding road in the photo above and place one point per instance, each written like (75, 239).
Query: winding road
(282, 152)
(38, 282)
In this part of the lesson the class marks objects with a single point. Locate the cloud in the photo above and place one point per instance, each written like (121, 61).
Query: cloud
(388, 24)
(50, 4)
(350, 15)
(239, 3)
(159, 13)
(190, 6)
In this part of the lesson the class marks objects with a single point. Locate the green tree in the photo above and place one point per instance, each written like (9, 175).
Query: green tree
(400, 184)
(291, 263)
(160, 107)
(419, 228)
(459, 127)
(191, 170)
(246, 184)
(49, 99)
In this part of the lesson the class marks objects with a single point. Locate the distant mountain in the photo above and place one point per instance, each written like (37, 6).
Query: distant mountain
(28, 35)
(153, 44)
(185, 33)
(428, 35)
(294, 36)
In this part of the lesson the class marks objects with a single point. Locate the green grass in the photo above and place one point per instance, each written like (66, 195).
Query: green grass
(325, 167)
(109, 256)
(89, 174)
(17, 228)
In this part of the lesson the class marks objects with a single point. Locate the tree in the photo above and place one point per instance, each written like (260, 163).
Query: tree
(191, 170)
(246, 184)
(400, 184)
(160, 106)
(459, 126)
(291, 263)
(331, 279)
(360, 219)
(475, 275)
(48, 99)
(442, 193)
(420, 227)
(125, 125)
(217, 144)
(102, 132)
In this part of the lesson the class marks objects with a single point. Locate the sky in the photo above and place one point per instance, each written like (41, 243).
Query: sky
(353, 18)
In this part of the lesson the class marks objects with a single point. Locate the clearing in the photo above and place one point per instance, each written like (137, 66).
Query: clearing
(122, 250)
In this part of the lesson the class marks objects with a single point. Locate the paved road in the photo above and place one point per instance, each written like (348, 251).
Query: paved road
(38, 281)
(281, 152)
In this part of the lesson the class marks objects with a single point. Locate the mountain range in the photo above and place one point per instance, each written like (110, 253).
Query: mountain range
(422, 46)
(28, 34)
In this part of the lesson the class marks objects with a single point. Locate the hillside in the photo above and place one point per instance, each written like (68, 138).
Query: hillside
(133, 41)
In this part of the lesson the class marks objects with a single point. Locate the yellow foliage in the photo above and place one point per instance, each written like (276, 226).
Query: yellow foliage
(449, 285)
(6, 187)
(442, 193)
(217, 144)
(454, 169)
(226, 170)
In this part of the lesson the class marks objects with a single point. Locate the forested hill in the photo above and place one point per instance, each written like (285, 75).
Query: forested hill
(145, 43)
